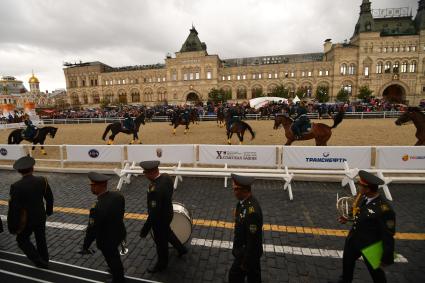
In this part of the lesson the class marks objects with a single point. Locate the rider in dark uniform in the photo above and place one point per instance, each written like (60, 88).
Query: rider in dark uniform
(106, 225)
(128, 122)
(160, 210)
(232, 116)
(30, 130)
(300, 120)
(248, 239)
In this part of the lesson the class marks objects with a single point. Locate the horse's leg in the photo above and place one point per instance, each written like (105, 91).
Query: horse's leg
(136, 137)
(240, 136)
(174, 130)
(229, 137)
(186, 129)
(111, 139)
(42, 148)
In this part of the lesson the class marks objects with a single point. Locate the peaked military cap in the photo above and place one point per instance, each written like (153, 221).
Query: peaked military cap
(370, 179)
(149, 165)
(23, 163)
(242, 180)
(97, 177)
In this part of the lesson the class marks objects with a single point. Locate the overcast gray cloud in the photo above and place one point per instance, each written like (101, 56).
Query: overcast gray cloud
(42, 34)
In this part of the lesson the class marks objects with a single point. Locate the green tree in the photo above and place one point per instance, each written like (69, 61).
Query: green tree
(104, 103)
(280, 91)
(219, 95)
(301, 92)
(322, 94)
(342, 95)
(364, 93)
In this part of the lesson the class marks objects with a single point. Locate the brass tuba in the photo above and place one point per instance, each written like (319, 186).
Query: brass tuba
(123, 247)
(348, 207)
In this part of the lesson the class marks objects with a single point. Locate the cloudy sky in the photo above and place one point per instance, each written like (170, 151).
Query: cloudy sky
(40, 35)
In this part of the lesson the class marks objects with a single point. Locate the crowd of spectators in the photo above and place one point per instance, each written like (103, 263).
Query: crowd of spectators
(372, 105)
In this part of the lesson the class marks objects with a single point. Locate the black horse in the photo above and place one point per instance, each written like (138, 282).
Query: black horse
(15, 137)
(180, 120)
(116, 128)
(238, 127)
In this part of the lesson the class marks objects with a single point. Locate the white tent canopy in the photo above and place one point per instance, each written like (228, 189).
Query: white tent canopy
(296, 99)
(261, 101)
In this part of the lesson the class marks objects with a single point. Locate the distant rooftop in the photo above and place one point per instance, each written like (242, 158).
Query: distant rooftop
(115, 69)
(275, 59)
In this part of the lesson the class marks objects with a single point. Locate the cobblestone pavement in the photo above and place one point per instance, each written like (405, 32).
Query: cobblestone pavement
(293, 258)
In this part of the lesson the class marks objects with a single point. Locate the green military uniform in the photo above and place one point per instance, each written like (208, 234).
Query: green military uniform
(248, 237)
(106, 226)
(374, 221)
(28, 194)
(160, 215)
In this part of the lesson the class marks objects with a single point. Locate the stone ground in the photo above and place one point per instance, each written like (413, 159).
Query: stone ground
(313, 206)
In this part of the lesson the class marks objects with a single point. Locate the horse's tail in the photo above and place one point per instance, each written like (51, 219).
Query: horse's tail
(249, 129)
(338, 118)
(108, 128)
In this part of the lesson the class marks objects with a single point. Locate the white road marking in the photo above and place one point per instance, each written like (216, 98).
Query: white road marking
(25, 277)
(228, 245)
(281, 249)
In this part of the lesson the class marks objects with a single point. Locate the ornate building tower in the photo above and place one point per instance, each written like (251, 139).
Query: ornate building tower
(365, 22)
(34, 84)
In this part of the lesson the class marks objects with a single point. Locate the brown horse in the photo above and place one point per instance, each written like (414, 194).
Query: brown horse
(319, 131)
(415, 115)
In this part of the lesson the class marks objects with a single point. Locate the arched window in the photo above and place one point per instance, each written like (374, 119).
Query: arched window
(379, 68)
(387, 68)
(396, 67)
(404, 67)
(343, 69)
(241, 92)
(257, 91)
(412, 67)
(96, 99)
(351, 69)
(135, 96)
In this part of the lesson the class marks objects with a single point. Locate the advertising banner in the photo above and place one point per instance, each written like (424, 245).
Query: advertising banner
(164, 153)
(244, 155)
(94, 153)
(11, 152)
(326, 157)
(400, 157)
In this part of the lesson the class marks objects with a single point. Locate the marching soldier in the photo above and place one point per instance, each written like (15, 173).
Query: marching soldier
(248, 239)
(106, 225)
(373, 222)
(160, 210)
(28, 194)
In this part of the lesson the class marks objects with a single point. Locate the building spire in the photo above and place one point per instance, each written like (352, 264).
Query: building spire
(365, 22)
(420, 16)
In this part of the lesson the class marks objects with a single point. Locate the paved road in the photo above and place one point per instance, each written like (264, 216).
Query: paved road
(303, 241)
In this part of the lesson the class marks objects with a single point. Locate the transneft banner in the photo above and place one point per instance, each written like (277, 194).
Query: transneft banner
(164, 153)
(400, 157)
(11, 152)
(326, 157)
(94, 153)
(244, 155)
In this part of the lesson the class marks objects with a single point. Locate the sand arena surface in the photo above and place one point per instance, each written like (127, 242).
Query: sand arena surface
(349, 132)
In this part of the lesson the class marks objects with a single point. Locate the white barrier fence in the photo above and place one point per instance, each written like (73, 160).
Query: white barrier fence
(263, 162)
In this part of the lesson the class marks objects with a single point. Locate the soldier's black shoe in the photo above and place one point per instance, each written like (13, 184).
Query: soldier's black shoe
(182, 252)
(41, 263)
(156, 269)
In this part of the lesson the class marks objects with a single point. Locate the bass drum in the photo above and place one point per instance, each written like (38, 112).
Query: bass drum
(182, 222)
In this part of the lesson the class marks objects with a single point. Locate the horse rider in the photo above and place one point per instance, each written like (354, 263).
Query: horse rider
(232, 117)
(128, 123)
(300, 120)
(30, 130)
(186, 114)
